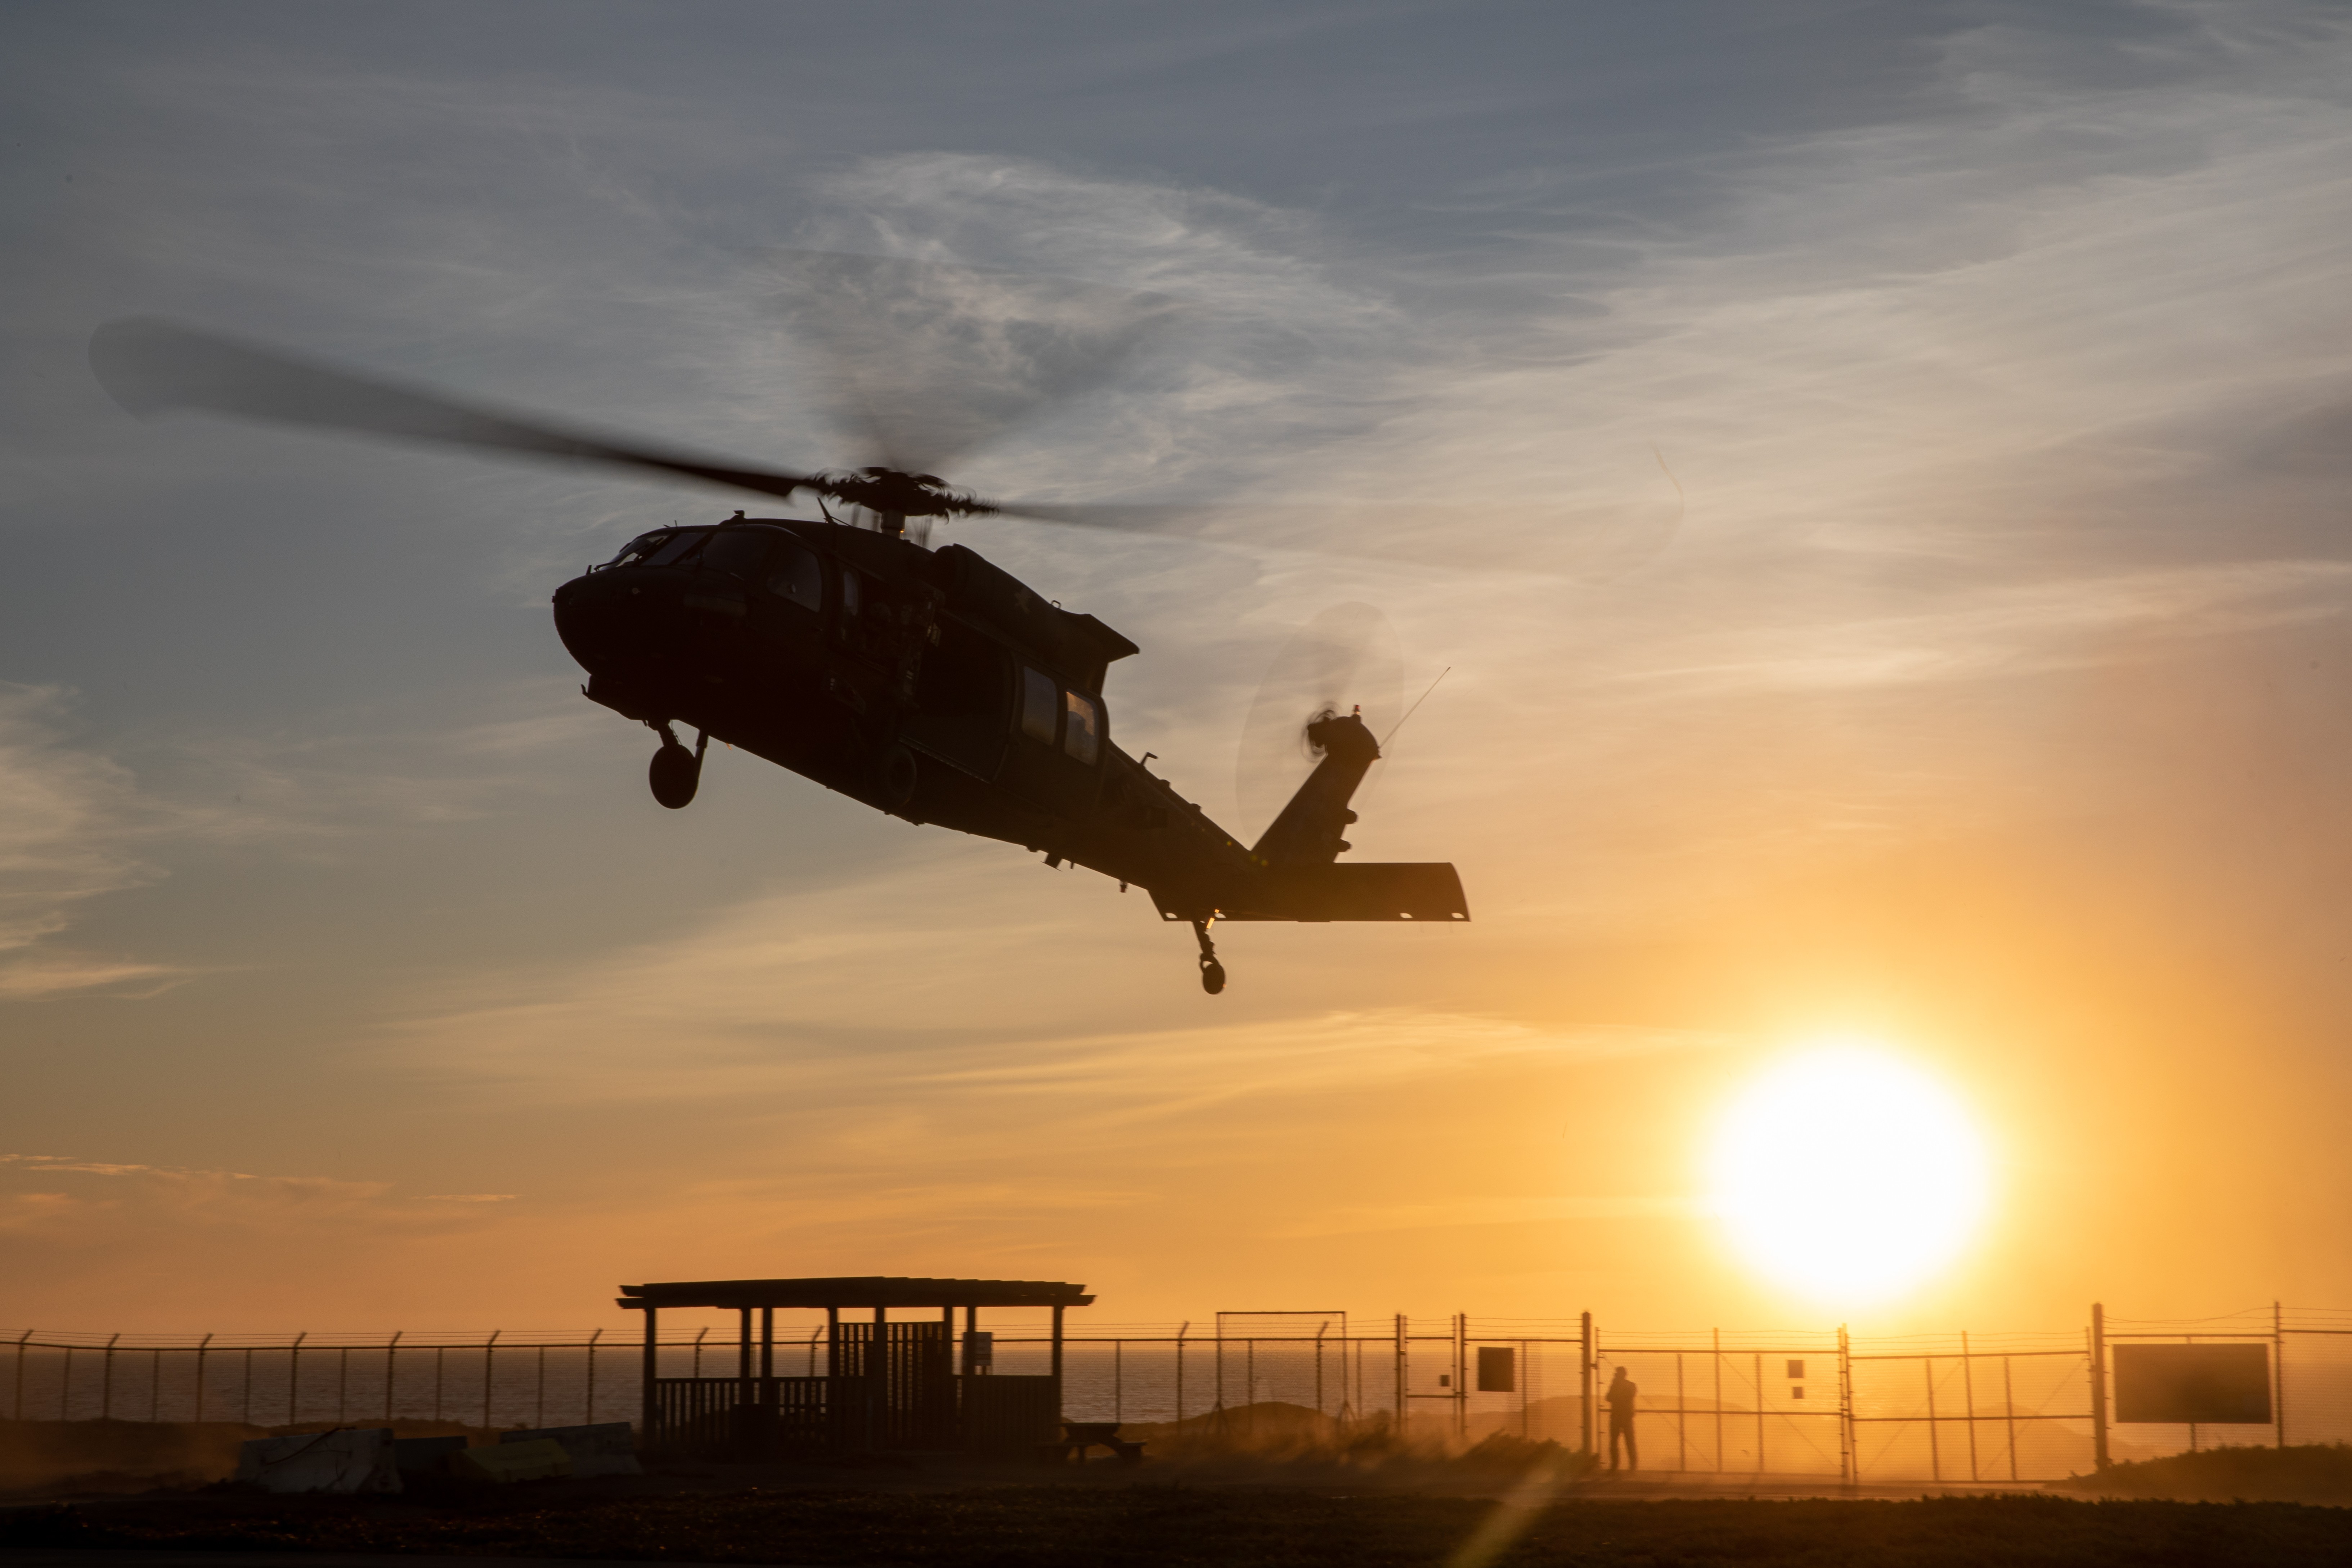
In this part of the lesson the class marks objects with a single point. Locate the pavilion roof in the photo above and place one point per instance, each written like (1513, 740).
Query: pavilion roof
(856, 1291)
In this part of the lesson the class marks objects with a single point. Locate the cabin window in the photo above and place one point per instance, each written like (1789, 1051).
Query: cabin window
(853, 596)
(1041, 704)
(676, 549)
(794, 573)
(1083, 734)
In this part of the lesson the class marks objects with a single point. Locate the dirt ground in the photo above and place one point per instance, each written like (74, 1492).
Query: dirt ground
(1135, 1524)
(1305, 1505)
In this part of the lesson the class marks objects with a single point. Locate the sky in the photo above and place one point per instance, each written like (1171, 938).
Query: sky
(1874, 478)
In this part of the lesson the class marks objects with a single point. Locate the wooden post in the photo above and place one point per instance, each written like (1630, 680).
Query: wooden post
(878, 1379)
(2098, 1386)
(1058, 1361)
(767, 1344)
(649, 1395)
(971, 1327)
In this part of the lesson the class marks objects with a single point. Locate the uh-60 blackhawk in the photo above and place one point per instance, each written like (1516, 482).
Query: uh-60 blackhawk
(927, 683)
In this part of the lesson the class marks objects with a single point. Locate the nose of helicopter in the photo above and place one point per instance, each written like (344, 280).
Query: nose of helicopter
(603, 620)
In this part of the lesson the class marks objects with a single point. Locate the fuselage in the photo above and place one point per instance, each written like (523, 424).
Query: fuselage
(929, 684)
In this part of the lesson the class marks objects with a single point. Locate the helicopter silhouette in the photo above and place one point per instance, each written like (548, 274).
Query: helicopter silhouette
(927, 683)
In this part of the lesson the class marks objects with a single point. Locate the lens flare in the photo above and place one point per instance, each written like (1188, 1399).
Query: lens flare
(1848, 1177)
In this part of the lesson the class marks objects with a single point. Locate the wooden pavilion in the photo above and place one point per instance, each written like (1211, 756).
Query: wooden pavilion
(889, 1382)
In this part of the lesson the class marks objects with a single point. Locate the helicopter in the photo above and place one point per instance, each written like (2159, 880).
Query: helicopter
(929, 684)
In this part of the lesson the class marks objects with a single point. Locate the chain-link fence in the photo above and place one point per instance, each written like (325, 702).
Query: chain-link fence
(1981, 1408)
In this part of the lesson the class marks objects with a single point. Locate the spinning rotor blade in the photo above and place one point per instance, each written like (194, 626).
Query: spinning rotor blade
(928, 362)
(1347, 657)
(152, 366)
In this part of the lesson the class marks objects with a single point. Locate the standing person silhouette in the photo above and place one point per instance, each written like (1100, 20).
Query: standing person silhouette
(1620, 1394)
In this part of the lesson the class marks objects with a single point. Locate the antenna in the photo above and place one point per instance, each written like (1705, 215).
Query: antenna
(1414, 709)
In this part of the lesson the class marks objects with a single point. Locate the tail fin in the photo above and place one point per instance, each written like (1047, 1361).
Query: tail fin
(1307, 831)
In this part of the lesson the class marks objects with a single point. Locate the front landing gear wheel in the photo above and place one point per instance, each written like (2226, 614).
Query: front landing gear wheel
(676, 773)
(1213, 974)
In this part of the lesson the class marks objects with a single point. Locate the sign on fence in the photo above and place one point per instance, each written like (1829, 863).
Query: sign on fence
(2206, 1385)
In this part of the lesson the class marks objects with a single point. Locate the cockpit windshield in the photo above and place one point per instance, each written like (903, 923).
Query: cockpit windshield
(637, 549)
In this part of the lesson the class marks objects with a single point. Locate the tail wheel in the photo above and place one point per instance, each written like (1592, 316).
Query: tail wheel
(675, 774)
(1212, 976)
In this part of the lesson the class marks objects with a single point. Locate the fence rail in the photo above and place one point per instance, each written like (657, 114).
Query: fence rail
(1978, 1408)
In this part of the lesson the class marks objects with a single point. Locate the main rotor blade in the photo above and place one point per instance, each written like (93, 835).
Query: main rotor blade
(926, 362)
(152, 366)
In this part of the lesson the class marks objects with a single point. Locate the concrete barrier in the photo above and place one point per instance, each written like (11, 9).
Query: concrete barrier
(607, 1448)
(504, 1463)
(344, 1461)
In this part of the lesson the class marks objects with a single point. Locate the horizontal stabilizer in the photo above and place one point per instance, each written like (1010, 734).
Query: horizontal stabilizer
(1401, 891)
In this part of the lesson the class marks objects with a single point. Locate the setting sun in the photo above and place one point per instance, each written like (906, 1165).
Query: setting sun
(1847, 1176)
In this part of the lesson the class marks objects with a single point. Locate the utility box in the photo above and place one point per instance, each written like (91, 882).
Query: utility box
(979, 1349)
(2220, 1385)
(1498, 1369)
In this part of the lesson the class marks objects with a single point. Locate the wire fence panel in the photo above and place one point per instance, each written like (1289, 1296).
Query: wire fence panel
(1995, 1416)
(1992, 1409)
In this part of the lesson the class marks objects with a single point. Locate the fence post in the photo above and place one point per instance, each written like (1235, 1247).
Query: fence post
(200, 1377)
(1715, 1340)
(1935, 1451)
(590, 1418)
(1849, 1452)
(1400, 1368)
(390, 1372)
(106, 1381)
(294, 1377)
(20, 1372)
(155, 1386)
(2278, 1376)
(1585, 1380)
(1181, 1330)
(1462, 1374)
(489, 1349)
(1969, 1393)
(2098, 1386)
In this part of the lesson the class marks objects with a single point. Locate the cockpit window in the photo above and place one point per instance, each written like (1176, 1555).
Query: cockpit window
(1081, 728)
(637, 549)
(681, 545)
(737, 549)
